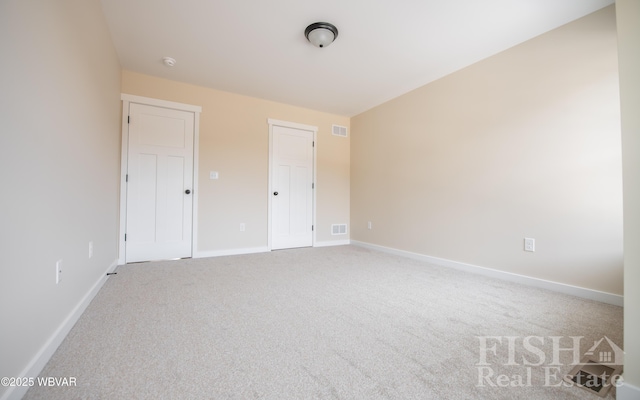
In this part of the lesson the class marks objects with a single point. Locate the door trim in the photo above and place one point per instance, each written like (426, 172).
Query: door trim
(127, 99)
(294, 125)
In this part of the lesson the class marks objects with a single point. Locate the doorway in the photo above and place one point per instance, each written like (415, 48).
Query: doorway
(291, 185)
(158, 197)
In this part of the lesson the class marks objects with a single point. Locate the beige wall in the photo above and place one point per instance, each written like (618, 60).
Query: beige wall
(523, 144)
(628, 22)
(234, 140)
(59, 166)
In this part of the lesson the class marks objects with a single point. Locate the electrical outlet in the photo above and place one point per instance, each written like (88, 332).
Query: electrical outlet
(58, 271)
(369, 226)
(529, 244)
(90, 249)
(242, 227)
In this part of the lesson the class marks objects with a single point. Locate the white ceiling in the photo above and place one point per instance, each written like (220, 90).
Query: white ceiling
(384, 48)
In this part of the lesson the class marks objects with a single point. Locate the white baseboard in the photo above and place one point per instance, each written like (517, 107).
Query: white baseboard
(36, 365)
(231, 252)
(265, 249)
(577, 291)
(627, 392)
(328, 243)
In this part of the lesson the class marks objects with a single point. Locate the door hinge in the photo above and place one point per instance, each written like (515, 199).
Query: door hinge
(125, 237)
(311, 228)
(126, 178)
(128, 119)
(313, 186)
(313, 144)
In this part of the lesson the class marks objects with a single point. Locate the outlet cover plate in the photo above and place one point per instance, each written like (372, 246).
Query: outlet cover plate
(529, 244)
(58, 271)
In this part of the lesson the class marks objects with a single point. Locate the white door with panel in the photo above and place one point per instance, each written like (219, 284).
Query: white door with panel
(292, 188)
(159, 183)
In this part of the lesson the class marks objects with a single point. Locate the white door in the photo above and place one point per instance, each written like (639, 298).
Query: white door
(159, 183)
(292, 188)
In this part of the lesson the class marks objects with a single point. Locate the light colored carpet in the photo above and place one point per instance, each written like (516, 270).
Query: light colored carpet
(339, 322)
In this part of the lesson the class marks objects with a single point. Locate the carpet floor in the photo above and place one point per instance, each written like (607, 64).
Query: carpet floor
(323, 323)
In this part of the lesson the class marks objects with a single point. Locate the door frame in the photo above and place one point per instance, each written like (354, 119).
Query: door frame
(127, 99)
(303, 127)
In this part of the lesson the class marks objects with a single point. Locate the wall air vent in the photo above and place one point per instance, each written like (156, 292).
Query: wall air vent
(339, 229)
(338, 130)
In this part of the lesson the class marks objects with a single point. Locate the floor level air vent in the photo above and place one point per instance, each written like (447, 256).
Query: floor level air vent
(339, 229)
(598, 378)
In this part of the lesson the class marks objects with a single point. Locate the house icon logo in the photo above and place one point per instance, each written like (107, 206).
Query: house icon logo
(606, 352)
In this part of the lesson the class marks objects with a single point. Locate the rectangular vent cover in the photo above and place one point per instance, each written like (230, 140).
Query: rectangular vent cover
(594, 376)
(338, 130)
(339, 229)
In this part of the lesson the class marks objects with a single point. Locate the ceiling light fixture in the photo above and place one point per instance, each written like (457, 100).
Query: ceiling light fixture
(321, 34)
(169, 62)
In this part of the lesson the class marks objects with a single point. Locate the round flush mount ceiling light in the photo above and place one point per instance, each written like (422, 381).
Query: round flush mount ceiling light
(321, 34)
(169, 62)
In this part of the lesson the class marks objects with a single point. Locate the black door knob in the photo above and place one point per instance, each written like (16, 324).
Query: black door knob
(187, 191)
(275, 193)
